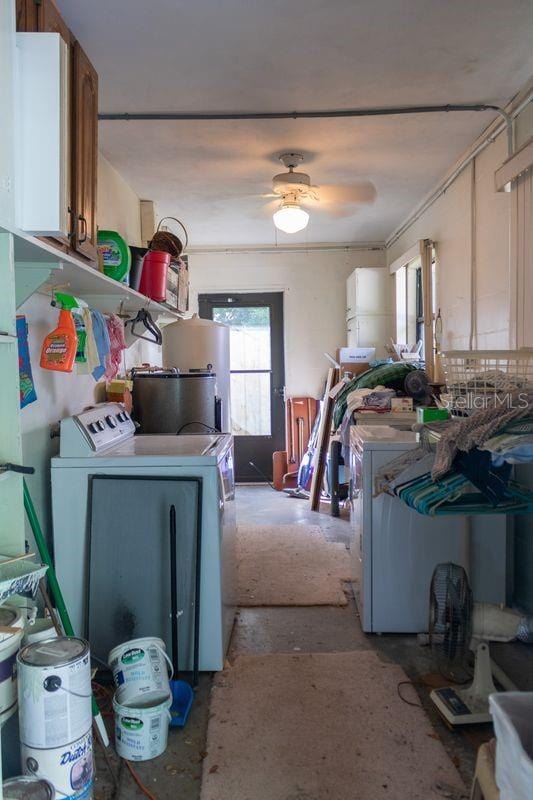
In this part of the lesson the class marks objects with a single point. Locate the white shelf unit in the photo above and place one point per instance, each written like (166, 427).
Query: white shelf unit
(38, 264)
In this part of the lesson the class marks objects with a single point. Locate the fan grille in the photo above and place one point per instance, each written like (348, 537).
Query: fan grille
(450, 620)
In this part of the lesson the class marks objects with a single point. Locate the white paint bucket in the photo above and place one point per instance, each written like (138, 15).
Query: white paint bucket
(140, 670)
(24, 787)
(54, 692)
(10, 617)
(141, 733)
(69, 768)
(41, 630)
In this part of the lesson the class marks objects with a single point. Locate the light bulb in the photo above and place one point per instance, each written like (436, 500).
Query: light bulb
(290, 218)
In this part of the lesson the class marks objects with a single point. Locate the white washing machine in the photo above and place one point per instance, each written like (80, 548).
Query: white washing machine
(111, 497)
(395, 549)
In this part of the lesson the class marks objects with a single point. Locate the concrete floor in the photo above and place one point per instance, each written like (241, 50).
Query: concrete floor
(177, 773)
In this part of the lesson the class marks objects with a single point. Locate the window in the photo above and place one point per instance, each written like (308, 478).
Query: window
(250, 367)
(416, 301)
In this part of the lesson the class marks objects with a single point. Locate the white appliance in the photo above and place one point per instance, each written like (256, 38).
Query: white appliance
(192, 344)
(369, 313)
(133, 478)
(395, 549)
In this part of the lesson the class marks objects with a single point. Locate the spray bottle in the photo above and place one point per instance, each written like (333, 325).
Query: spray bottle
(59, 347)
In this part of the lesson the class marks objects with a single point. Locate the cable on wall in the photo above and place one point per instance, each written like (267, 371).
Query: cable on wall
(473, 255)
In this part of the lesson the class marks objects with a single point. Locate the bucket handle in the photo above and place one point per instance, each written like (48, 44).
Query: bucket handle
(167, 659)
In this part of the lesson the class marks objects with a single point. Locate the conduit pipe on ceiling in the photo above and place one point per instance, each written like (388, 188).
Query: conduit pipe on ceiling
(445, 185)
(331, 114)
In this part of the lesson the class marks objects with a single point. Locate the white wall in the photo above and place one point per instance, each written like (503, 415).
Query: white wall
(448, 223)
(118, 205)
(314, 287)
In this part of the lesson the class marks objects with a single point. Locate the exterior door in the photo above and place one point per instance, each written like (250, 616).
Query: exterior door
(257, 376)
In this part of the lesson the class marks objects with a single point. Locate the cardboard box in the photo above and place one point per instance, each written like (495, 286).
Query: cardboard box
(401, 404)
(355, 359)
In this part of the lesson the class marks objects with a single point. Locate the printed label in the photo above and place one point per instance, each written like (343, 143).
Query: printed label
(133, 656)
(132, 723)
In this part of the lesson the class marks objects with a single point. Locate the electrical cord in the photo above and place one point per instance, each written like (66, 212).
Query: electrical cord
(197, 422)
(262, 474)
(404, 699)
(139, 783)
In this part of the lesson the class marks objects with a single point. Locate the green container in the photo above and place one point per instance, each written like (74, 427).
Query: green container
(115, 255)
(431, 414)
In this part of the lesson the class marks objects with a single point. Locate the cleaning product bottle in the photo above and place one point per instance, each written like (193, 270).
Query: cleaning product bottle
(59, 347)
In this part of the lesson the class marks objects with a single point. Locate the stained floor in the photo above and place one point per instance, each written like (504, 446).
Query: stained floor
(177, 773)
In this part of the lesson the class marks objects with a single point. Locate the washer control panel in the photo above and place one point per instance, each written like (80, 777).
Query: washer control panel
(95, 429)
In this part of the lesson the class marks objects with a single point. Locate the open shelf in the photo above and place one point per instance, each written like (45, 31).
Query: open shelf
(38, 264)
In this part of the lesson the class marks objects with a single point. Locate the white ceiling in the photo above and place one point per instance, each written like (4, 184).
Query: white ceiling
(270, 55)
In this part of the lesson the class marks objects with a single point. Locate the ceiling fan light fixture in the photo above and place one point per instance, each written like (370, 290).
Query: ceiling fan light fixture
(290, 217)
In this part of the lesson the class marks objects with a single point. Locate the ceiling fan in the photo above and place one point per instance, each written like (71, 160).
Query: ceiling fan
(295, 194)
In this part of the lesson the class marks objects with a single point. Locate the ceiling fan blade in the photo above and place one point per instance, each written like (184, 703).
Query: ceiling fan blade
(363, 192)
(340, 211)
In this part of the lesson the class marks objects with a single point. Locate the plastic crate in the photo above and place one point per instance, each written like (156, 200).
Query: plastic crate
(474, 378)
(512, 714)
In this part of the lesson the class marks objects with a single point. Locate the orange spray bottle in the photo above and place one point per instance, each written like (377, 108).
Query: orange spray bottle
(59, 347)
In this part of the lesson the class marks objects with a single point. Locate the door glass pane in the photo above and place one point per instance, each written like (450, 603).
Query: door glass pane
(249, 335)
(250, 404)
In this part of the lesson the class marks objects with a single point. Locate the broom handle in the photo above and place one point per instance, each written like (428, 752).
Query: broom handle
(56, 593)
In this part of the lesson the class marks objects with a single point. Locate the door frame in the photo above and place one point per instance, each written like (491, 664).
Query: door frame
(275, 300)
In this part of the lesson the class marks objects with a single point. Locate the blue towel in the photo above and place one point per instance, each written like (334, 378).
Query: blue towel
(103, 345)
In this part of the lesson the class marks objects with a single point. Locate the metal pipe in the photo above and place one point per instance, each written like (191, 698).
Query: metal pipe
(346, 112)
(328, 114)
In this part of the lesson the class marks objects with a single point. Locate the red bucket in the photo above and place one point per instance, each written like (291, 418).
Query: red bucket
(154, 275)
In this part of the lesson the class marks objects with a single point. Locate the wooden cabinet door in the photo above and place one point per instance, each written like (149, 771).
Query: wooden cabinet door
(27, 16)
(85, 153)
(51, 21)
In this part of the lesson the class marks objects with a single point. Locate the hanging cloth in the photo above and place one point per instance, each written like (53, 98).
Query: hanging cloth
(117, 343)
(101, 338)
(90, 351)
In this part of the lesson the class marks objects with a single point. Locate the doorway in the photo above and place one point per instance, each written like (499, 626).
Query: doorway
(257, 376)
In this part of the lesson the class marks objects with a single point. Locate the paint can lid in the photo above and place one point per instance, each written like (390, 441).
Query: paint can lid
(56, 652)
(27, 788)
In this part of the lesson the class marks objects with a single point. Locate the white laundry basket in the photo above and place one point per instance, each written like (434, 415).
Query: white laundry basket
(512, 714)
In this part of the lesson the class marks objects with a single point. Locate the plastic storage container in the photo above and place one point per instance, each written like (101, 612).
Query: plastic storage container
(512, 714)
(137, 258)
(154, 275)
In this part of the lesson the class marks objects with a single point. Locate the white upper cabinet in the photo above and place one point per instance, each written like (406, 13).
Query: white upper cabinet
(42, 134)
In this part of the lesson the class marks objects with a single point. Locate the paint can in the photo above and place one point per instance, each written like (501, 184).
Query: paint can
(40, 630)
(68, 768)
(24, 787)
(140, 670)
(10, 617)
(141, 732)
(54, 692)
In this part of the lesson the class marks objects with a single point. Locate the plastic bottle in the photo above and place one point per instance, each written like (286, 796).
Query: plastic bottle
(59, 347)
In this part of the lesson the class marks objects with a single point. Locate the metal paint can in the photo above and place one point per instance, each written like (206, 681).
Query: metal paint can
(40, 630)
(140, 671)
(141, 732)
(24, 787)
(54, 692)
(10, 617)
(68, 768)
